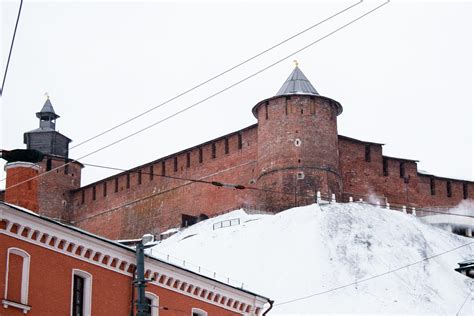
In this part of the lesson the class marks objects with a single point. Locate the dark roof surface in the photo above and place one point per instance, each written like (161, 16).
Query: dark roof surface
(47, 109)
(297, 83)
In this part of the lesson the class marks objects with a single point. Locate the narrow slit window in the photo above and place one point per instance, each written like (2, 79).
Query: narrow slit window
(200, 155)
(66, 166)
(163, 168)
(105, 188)
(128, 180)
(188, 160)
(140, 176)
(226, 145)
(239, 141)
(367, 153)
(286, 107)
(448, 189)
(116, 184)
(213, 150)
(175, 164)
(432, 186)
(151, 173)
(93, 193)
(266, 110)
(402, 170)
(312, 109)
(48, 164)
(465, 193)
(385, 167)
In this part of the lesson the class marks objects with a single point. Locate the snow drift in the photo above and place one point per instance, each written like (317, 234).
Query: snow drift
(321, 259)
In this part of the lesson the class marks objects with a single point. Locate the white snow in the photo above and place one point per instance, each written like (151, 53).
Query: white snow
(312, 249)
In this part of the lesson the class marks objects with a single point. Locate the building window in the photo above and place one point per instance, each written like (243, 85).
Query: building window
(48, 164)
(93, 193)
(188, 160)
(266, 110)
(153, 304)
(128, 180)
(83, 196)
(163, 168)
(200, 155)
(17, 279)
(116, 184)
(286, 107)
(213, 150)
(367, 153)
(432, 186)
(140, 176)
(198, 312)
(448, 188)
(312, 108)
(81, 293)
(151, 173)
(402, 170)
(105, 188)
(385, 167)
(465, 194)
(239, 141)
(175, 163)
(226, 145)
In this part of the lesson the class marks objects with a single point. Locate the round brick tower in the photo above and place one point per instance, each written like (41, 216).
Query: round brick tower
(297, 145)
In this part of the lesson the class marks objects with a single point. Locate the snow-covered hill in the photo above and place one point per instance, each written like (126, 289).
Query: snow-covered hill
(300, 258)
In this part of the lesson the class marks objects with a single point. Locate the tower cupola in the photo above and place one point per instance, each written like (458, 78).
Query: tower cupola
(47, 116)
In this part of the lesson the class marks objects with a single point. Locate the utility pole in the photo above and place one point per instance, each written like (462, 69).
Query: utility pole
(140, 281)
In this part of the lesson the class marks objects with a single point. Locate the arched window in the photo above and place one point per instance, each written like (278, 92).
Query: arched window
(198, 312)
(16, 279)
(81, 293)
(153, 302)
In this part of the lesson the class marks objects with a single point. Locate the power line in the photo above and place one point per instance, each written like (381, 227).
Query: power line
(11, 48)
(374, 276)
(465, 300)
(209, 97)
(216, 76)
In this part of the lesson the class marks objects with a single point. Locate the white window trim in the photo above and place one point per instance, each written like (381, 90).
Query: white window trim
(199, 311)
(25, 274)
(87, 290)
(155, 303)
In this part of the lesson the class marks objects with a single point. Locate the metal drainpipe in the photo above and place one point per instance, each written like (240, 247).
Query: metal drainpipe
(269, 308)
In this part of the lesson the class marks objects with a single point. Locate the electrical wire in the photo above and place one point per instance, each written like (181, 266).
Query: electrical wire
(465, 300)
(211, 96)
(216, 76)
(11, 49)
(374, 276)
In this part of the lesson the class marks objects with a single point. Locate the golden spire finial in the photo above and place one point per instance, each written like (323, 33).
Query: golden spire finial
(296, 63)
(46, 94)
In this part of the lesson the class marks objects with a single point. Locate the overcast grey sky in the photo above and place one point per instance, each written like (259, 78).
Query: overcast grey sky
(403, 74)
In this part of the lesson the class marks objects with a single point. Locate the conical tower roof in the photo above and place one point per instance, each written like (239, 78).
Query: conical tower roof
(297, 83)
(47, 111)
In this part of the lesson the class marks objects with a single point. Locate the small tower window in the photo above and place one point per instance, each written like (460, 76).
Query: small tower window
(432, 186)
(312, 108)
(188, 159)
(239, 141)
(402, 169)
(464, 191)
(226, 146)
(385, 167)
(128, 180)
(48, 164)
(163, 168)
(286, 107)
(175, 164)
(367, 153)
(448, 189)
(151, 172)
(213, 150)
(116, 184)
(93, 193)
(105, 188)
(266, 110)
(200, 155)
(139, 176)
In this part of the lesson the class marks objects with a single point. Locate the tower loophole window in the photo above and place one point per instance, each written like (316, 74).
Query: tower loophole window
(297, 142)
(300, 175)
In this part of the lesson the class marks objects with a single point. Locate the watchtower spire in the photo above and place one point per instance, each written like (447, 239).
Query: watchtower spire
(47, 116)
(297, 83)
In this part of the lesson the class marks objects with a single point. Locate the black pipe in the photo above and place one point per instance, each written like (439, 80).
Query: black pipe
(269, 308)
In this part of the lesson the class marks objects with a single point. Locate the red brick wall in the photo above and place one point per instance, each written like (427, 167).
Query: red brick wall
(297, 134)
(51, 280)
(19, 192)
(159, 202)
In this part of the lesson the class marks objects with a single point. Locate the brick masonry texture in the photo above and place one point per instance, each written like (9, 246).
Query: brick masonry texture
(293, 152)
